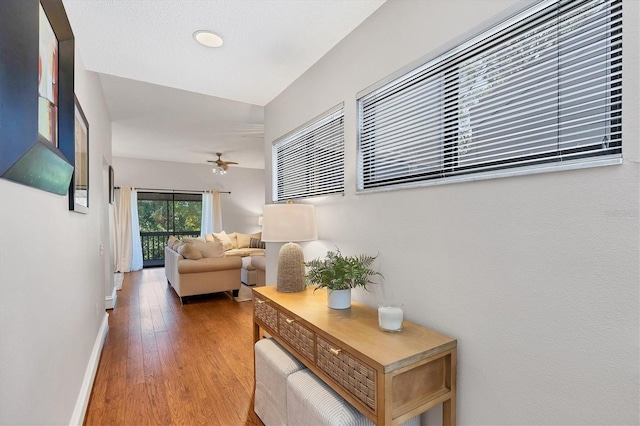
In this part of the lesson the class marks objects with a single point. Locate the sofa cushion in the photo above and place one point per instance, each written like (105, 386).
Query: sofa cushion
(210, 249)
(224, 239)
(189, 251)
(191, 240)
(243, 240)
(234, 239)
(189, 266)
(256, 243)
(238, 252)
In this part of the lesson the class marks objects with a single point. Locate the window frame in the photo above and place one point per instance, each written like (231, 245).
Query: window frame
(448, 144)
(319, 173)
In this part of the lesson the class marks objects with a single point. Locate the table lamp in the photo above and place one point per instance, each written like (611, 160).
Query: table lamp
(288, 223)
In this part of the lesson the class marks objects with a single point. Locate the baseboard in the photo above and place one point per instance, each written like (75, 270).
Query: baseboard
(77, 418)
(110, 301)
(118, 277)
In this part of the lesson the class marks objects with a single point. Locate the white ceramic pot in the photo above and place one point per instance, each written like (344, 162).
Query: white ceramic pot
(339, 299)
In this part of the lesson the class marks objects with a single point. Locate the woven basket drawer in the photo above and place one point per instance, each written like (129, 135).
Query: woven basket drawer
(264, 312)
(297, 335)
(350, 373)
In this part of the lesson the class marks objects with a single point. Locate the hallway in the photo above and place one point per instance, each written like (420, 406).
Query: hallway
(164, 363)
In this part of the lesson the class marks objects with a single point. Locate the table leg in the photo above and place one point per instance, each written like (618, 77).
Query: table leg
(256, 332)
(449, 406)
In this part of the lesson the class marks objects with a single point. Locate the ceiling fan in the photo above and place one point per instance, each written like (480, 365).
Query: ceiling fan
(220, 167)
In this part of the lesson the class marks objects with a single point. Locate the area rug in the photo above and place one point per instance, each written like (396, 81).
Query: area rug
(244, 294)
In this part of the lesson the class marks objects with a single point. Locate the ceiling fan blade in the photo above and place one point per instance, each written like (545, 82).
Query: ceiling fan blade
(230, 162)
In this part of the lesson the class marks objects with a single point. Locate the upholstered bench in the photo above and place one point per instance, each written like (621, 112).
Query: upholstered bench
(273, 365)
(311, 402)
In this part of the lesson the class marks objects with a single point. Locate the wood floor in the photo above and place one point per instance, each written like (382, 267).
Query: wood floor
(164, 363)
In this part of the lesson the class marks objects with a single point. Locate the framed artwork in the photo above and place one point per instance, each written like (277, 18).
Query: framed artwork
(112, 187)
(37, 115)
(47, 79)
(79, 188)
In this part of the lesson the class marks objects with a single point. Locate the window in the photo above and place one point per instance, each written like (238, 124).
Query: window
(164, 214)
(310, 162)
(541, 91)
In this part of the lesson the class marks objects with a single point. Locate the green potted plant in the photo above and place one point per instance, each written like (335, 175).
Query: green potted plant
(339, 274)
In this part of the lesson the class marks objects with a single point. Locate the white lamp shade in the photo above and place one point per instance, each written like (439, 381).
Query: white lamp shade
(282, 223)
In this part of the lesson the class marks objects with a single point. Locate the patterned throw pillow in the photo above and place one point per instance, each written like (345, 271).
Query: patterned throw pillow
(256, 243)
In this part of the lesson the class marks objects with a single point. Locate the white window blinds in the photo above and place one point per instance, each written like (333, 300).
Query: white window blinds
(538, 92)
(310, 161)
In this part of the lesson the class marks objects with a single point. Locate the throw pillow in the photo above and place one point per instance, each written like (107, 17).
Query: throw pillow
(212, 249)
(171, 240)
(234, 239)
(256, 243)
(176, 244)
(224, 239)
(209, 238)
(191, 240)
(189, 251)
(243, 240)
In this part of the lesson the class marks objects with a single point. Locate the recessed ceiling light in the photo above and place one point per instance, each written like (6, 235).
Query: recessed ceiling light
(207, 38)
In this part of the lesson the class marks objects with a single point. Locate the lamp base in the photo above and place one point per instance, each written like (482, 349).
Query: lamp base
(291, 269)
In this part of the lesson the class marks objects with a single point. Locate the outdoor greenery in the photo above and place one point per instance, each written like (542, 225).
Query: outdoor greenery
(338, 272)
(169, 216)
(161, 215)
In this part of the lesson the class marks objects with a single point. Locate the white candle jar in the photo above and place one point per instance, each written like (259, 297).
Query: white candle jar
(390, 316)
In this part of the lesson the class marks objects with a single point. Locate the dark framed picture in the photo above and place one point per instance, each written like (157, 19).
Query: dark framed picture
(37, 115)
(112, 187)
(47, 80)
(79, 188)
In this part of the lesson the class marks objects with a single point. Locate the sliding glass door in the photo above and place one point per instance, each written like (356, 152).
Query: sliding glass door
(164, 214)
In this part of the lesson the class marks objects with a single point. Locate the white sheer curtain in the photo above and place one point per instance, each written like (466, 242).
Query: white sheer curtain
(136, 245)
(123, 230)
(128, 247)
(217, 212)
(206, 223)
(211, 213)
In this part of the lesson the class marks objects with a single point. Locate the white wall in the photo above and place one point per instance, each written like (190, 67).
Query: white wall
(536, 276)
(52, 289)
(240, 209)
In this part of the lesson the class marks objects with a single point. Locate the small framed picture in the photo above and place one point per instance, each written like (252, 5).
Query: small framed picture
(79, 188)
(112, 187)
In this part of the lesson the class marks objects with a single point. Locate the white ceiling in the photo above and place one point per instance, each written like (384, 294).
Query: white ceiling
(175, 100)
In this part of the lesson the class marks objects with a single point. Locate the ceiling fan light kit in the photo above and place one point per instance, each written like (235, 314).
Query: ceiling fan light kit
(217, 170)
(220, 167)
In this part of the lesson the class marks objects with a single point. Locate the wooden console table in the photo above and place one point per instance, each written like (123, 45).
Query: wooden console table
(388, 377)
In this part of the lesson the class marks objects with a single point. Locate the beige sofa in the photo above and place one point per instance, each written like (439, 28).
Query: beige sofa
(195, 266)
(190, 277)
